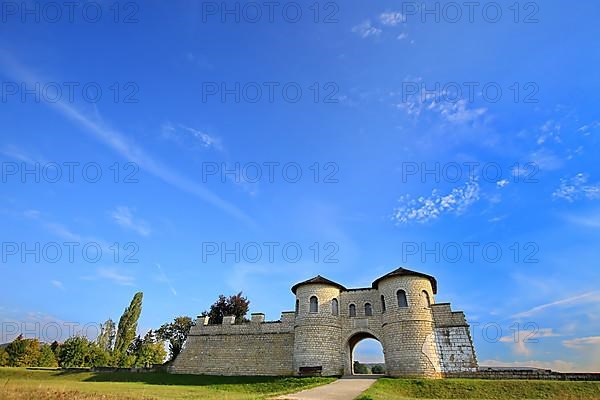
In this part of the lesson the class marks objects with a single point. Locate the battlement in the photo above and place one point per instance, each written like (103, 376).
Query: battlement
(443, 316)
(256, 325)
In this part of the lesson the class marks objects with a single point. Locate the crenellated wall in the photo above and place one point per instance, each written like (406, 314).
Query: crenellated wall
(419, 338)
(250, 348)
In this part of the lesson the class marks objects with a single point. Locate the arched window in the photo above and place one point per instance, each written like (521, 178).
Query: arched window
(426, 300)
(314, 304)
(382, 303)
(368, 309)
(335, 309)
(401, 294)
(297, 306)
(352, 310)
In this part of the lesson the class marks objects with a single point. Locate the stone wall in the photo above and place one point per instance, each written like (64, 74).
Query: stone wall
(525, 373)
(453, 340)
(251, 348)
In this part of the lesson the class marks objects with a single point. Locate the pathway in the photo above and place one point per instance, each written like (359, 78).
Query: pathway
(347, 388)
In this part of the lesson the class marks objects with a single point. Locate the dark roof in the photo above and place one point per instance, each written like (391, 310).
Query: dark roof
(406, 272)
(317, 279)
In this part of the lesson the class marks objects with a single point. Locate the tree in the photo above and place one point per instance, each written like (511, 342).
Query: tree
(378, 369)
(360, 368)
(47, 357)
(148, 351)
(80, 352)
(23, 352)
(236, 305)
(3, 357)
(175, 333)
(106, 339)
(128, 325)
(74, 352)
(55, 346)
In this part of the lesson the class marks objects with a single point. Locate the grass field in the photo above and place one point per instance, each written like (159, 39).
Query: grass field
(21, 384)
(396, 389)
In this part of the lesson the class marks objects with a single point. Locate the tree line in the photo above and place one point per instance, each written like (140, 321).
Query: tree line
(118, 345)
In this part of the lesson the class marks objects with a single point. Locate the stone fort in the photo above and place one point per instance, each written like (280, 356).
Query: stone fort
(420, 338)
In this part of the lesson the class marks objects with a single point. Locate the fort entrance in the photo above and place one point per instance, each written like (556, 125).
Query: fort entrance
(358, 342)
(419, 337)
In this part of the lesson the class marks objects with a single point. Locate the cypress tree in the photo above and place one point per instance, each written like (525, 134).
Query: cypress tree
(126, 332)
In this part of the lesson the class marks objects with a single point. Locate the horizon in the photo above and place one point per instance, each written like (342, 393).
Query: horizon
(188, 151)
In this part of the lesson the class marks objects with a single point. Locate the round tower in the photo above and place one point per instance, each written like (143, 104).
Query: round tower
(407, 323)
(318, 330)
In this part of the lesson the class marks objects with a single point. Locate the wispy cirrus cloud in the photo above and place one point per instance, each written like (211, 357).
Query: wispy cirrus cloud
(522, 338)
(17, 153)
(163, 278)
(124, 146)
(57, 284)
(124, 217)
(582, 342)
(112, 275)
(589, 297)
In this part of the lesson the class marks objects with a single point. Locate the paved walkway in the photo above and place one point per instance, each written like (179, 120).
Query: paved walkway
(343, 389)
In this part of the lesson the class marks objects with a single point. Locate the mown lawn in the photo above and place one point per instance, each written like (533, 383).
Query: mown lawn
(21, 384)
(396, 389)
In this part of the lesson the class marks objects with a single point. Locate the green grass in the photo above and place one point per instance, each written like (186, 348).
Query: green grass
(396, 389)
(20, 383)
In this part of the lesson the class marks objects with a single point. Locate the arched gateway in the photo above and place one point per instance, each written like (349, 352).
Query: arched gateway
(419, 337)
(351, 343)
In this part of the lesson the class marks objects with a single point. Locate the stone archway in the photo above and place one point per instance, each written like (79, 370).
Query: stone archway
(351, 343)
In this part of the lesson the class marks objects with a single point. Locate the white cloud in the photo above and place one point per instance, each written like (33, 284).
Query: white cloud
(549, 131)
(392, 18)
(544, 159)
(204, 138)
(456, 112)
(576, 188)
(502, 183)
(587, 129)
(589, 297)
(111, 274)
(497, 219)
(365, 29)
(402, 36)
(521, 338)
(425, 209)
(580, 343)
(185, 135)
(124, 217)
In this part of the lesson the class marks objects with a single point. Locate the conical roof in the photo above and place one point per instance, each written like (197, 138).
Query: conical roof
(407, 272)
(317, 279)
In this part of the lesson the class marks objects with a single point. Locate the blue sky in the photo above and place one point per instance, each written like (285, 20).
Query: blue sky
(364, 103)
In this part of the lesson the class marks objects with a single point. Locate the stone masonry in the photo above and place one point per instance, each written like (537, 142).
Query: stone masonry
(419, 338)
